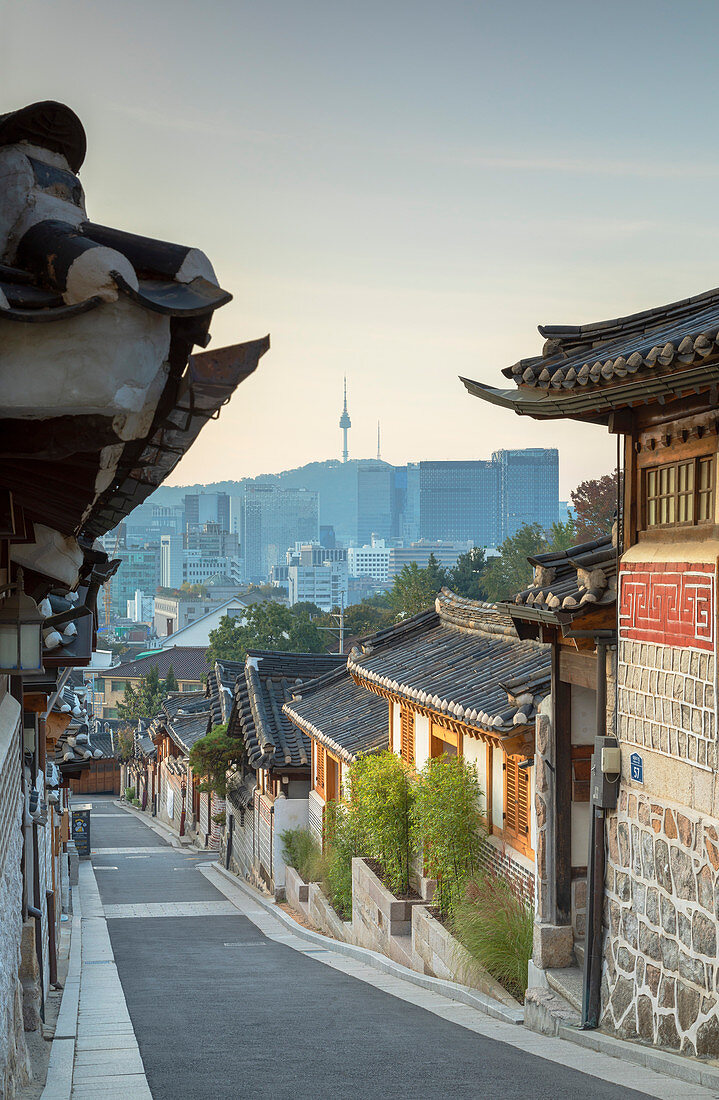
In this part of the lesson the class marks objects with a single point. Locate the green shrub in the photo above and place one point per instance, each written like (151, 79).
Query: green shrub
(129, 794)
(378, 815)
(341, 844)
(136, 801)
(446, 821)
(301, 851)
(496, 926)
(212, 755)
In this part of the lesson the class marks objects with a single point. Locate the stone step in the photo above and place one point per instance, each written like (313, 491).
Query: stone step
(579, 952)
(401, 950)
(569, 984)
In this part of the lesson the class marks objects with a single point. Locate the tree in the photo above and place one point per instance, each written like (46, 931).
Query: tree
(562, 535)
(212, 755)
(125, 744)
(466, 577)
(595, 503)
(510, 572)
(366, 617)
(145, 700)
(266, 625)
(171, 681)
(415, 589)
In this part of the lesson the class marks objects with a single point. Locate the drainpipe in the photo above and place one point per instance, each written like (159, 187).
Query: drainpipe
(595, 873)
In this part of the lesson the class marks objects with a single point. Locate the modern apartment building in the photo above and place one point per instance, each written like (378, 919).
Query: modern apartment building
(140, 570)
(445, 553)
(274, 520)
(371, 560)
(192, 558)
(317, 575)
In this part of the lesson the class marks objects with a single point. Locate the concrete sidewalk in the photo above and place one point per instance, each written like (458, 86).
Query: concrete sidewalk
(94, 1052)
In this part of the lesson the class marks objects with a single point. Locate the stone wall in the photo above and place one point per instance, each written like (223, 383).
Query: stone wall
(660, 957)
(666, 701)
(14, 1065)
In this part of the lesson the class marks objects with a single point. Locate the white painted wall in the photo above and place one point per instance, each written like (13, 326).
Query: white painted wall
(396, 728)
(580, 833)
(421, 740)
(290, 813)
(475, 752)
(584, 725)
(497, 787)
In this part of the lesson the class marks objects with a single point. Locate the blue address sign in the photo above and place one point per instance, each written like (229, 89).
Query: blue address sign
(636, 765)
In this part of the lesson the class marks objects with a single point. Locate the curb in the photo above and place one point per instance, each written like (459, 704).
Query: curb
(450, 990)
(58, 1083)
(686, 1069)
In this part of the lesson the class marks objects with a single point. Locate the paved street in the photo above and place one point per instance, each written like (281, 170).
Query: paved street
(221, 1010)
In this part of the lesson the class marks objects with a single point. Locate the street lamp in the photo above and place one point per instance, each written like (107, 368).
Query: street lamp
(20, 632)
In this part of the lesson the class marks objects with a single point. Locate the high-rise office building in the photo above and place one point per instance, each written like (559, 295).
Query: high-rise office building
(455, 501)
(529, 485)
(276, 519)
(317, 575)
(375, 499)
(140, 569)
(202, 508)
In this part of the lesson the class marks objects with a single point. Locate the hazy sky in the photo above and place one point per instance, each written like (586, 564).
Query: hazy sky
(397, 190)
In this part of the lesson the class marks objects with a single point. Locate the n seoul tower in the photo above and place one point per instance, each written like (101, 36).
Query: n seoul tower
(345, 425)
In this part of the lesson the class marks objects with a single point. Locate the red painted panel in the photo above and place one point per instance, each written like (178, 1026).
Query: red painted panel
(669, 603)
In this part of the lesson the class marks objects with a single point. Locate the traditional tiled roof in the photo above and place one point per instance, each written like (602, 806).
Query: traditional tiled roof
(268, 681)
(572, 581)
(340, 714)
(588, 370)
(240, 792)
(188, 663)
(74, 749)
(187, 729)
(456, 662)
(221, 688)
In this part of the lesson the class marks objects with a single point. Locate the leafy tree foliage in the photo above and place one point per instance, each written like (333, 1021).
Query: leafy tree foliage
(266, 625)
(446, 821)
(171, 681)
(124, 745)
(367, 617)
(415, 589)
(562, 535)
(595, 502)
(510, 572)
(145, 700)
(466, 577)
(212, 755)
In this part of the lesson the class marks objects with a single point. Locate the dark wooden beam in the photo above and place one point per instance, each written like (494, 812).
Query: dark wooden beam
(562, 727)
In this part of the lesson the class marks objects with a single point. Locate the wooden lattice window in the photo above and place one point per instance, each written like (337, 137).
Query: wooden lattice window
(679, 494)
(516, 803)
(407, 732)
(320, 769)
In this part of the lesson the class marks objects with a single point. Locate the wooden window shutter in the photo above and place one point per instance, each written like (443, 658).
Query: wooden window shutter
(516, 800)
(320, 768)
(407, 724)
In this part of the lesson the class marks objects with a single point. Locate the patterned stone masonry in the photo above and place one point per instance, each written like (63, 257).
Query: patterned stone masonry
(660, 980)
(666, 701)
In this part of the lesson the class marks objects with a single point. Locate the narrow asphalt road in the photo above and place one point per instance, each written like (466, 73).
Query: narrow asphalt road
(220, 1011)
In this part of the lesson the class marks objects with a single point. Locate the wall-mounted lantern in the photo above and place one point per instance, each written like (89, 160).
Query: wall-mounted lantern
(20, 632)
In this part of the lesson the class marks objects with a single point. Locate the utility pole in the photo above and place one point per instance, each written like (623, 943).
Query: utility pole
(339, 628)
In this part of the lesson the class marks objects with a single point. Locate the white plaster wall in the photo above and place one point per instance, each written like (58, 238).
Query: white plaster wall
(290, 813)
(475, 752)
(497, 787)
(584, 717)
(396, 728)
(421, 739)
(580, 833)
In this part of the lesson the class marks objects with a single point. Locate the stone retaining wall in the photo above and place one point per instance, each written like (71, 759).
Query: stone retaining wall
(660, 969)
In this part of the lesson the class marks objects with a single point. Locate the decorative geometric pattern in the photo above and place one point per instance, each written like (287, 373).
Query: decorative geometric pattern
(670, 603)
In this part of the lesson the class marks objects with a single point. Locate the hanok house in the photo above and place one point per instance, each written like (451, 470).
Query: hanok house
(267, 793)
(175, 792)
(188, 664)
(459, 680)
(102, 395)
(653, 379)
(571, 605)
(342, 721)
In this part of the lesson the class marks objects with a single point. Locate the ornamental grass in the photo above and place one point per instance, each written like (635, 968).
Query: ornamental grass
(495, 926)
